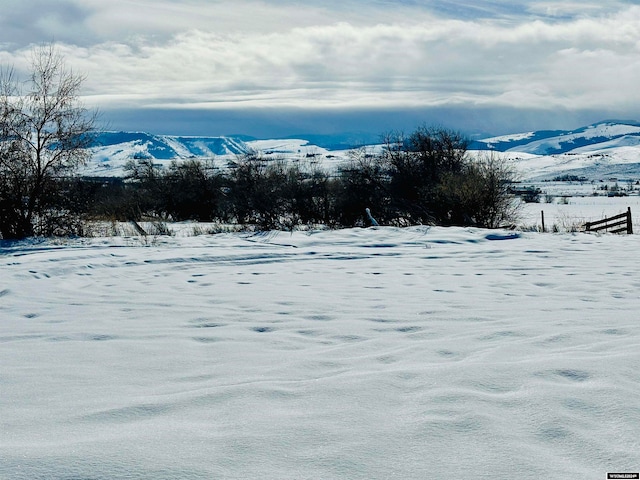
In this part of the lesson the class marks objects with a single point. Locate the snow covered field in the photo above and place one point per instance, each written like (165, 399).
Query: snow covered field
(576, 211)
(363, 354)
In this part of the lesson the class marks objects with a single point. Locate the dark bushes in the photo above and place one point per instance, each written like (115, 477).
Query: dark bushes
(363, 183)
(429, 178)
(424, 170)
(189, 190)
(276, 194)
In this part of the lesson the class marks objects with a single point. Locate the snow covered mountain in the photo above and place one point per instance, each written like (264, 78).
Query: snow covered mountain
(164, 147)
(112, 150)
(599, 136)
(602, 150)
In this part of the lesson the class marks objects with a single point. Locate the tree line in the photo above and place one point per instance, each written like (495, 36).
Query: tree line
(425, 177)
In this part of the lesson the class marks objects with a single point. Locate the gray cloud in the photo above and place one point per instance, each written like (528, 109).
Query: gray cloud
(363, 125)
(24, 23)
(437, 56)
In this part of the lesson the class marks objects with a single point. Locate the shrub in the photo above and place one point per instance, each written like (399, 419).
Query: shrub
(488, 202)
(274, 193)
(188, 190)
(362, 183)
(192, 191)
(420, 165)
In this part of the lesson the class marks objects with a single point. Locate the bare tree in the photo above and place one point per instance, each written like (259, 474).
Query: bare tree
(44, 134)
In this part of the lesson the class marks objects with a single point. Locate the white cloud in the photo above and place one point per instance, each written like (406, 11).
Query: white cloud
(203, 54)
(420, 63)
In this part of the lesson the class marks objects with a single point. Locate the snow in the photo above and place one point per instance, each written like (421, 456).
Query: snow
(623, 161)
(597, 151)
(604, 131)
(280, 146)
(363, 353)
(568, 213)
(607, 129)
(297, 150)
(515, 137)
(114, 150)
(599, 136)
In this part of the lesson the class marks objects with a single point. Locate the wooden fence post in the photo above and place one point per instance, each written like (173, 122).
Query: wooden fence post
(629, 223)
(542, 220)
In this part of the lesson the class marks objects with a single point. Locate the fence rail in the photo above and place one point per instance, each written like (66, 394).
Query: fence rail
(619, 224)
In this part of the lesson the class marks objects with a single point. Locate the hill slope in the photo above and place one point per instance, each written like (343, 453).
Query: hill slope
(607, 134)
(602, 150)
(112, 150)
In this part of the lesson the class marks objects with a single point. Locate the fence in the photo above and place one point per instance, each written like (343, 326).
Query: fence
(618, 224)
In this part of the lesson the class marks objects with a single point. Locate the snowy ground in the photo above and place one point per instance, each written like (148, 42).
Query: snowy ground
(363, 354)
(571, 212)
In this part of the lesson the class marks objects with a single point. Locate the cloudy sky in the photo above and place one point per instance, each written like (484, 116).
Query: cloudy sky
(283, 67)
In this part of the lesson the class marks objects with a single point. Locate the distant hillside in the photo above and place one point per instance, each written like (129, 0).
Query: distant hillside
(602, 150)
(112, 150)
(167, 147)
(607, 134)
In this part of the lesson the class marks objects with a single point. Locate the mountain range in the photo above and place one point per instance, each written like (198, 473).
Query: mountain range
(602, 135)
(606, 148)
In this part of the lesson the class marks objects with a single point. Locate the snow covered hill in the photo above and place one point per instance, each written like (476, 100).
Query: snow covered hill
(599, 151)
(604, 150)
(599, 136)
(112, 150)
